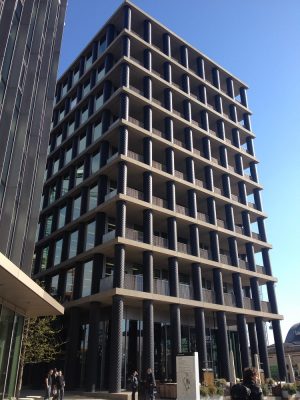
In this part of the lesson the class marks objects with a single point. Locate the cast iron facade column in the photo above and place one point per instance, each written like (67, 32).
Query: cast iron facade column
(262, 346)
(148, 271)
(222, 340)
(72, 362)
(253, 341)
(127, 17)
(148, 336)
(115, 365)
(119, 272)
(93, 344)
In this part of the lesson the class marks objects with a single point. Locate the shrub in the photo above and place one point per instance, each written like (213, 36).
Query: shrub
(203, 391)
(290, 388)
(212, 390)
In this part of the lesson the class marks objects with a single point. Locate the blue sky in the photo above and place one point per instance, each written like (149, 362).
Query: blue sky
(258, 41)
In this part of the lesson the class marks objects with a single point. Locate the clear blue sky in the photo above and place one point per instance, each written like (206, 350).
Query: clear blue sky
(258, 41)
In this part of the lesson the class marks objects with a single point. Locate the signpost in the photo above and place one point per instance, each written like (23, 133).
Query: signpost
(187, 376)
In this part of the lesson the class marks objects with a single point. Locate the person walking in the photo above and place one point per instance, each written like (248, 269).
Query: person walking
(48, 384)
(149, 384)
(134, 384)
(249, 389)
(60, 385)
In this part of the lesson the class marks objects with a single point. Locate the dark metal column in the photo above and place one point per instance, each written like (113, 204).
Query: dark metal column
(148, 271)
(148, 336)
(253, 341)
(115, 365)
(91, 370)
(119, 272)
(262, 345)
(72, 363)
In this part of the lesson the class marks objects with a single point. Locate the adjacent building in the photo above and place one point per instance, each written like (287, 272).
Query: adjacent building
(30, 32)
(152, 229)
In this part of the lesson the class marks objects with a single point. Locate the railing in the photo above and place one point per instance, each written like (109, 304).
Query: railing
(238, 229)
(110, 195)
(179, 174)
(243, 264)
(136, 121)
(252, 205)
(157, 132)
(133, 282)
(202, 217)
(214, 160)
(256, 236)
(185, 291)
(248, 303)
(224, 259)
(161, 286)
(196, 151)
(205, 254)
(135, 156)
(178, 142)
(160, 242)
(135, 193)
(265, 306)
(208, 296)
(217, 190)
(229, 299)
(234, 197)
(134, 235)
(221, 223)
(106, 283)
(231, 168)
(198, 182)
(109, 236)
(260, 269)
(182, 210)
(183, 248)
(134, 89)
(159, 202)
(158, 165)
(157, 101)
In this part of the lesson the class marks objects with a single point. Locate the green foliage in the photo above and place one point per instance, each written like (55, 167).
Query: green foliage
(41, 342)
(203, 391)
(290, 388)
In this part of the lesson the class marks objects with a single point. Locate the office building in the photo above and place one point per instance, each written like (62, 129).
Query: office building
(152, 228)
(30, 32)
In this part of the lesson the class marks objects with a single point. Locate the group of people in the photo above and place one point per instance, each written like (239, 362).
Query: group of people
(149, 384)
(55, 385)
(248, 390)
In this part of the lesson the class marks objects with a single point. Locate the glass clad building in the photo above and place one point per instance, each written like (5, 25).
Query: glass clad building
(30, 32)
(152, 230)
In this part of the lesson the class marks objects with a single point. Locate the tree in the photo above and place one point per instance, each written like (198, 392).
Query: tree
(41, 343)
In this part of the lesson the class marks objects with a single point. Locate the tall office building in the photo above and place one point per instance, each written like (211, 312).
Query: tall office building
(30, 32)
(152, 228)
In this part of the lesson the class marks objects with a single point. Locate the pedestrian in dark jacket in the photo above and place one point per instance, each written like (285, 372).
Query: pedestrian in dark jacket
(134, 384)
(149, 384)
(60, 385)
(48, 384)
(250, 380)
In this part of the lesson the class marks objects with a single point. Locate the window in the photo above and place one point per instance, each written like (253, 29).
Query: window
(76, 208)
(68, 155)
(93, 196)
(95, 162)
(70, 128)
(90, 235)
(55, 166)
(44, 258)
(88, 61)
(79, 174)
(52, 193)
(62, 217)
(48, 225)
(99, 100)
(73, 244)
(82, 143)
(102, 45)
(64, 89)
(100, 72)
(73, 102)
(75, 75)
(84, 114)
(58, 139)
(65, 184)
(109, 267)
(61, 114)
(86, 88)
(87, 278)
(54, 285)
(97, 130)
(58, 251)
(69, 284)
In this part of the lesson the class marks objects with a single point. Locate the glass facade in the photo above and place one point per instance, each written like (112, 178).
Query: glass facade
(11, 328)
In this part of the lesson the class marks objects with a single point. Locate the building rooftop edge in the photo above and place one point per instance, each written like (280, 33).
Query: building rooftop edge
(128, 2)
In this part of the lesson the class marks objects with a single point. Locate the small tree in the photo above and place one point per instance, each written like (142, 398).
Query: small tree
(41, 343)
